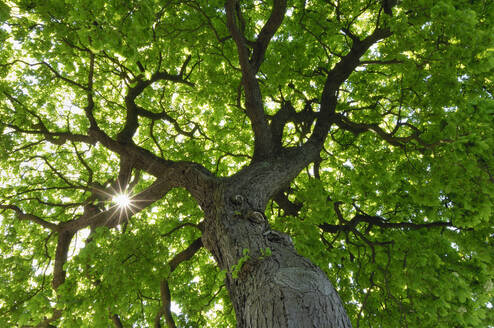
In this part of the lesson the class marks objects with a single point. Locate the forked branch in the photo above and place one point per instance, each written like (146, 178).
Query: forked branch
(132, 110)
(335, 79)
(250, 66)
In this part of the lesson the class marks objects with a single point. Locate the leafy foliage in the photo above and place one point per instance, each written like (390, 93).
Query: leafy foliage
(398, 209)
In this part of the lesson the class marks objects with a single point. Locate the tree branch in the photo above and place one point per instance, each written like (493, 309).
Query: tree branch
(192, 176)
(63, 243)
(287, 114)
(30, 217)
(164, 115)
(180, 226)
(185, 255)
(116, 321)
(267, 32)
(380, 222)
(253, 98)
(381, 62)
(60, 76)
(165, 308)
(131, 120)
(290, 208)
(56, 138)
(335, 79)
(88, 110)
(357, 128)
(46, 323)
(165, 289)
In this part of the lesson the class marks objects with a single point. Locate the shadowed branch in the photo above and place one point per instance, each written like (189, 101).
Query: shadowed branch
(165, 310)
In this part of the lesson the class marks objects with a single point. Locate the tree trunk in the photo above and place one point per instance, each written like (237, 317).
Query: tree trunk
(270, 285)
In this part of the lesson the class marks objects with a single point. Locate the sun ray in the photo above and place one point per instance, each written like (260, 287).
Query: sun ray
(122, 200)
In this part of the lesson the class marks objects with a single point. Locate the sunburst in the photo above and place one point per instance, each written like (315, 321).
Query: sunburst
(122, 200)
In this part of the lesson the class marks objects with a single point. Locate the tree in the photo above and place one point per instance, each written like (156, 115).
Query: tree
(200, 163)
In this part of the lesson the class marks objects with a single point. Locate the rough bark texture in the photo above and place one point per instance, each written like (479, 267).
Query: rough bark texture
(282, 289)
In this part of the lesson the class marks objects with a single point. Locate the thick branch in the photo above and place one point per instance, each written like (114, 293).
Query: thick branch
(357, 128)
(380, 222)
(335, 79)
(165, 289)
(266, 179)
(267, 32)
(185, 255)
(253, 98)
(64, 239)
(131, 122)
(164, 115)
(88, 110)
(30, 217)
(287, 114)
(57, 138)
(165, 309)
(284, 203)
(191, 176)
(381, 62)
(95, 216)
(238, 37)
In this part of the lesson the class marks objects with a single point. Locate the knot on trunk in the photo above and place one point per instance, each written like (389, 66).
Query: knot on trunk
(242, 208)
(278, 237)
(237, 199)
(256, 217)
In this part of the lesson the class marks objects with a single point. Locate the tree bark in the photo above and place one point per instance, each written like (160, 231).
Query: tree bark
(281, 289)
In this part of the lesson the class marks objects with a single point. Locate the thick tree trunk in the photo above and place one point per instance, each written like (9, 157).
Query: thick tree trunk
(281, 289)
